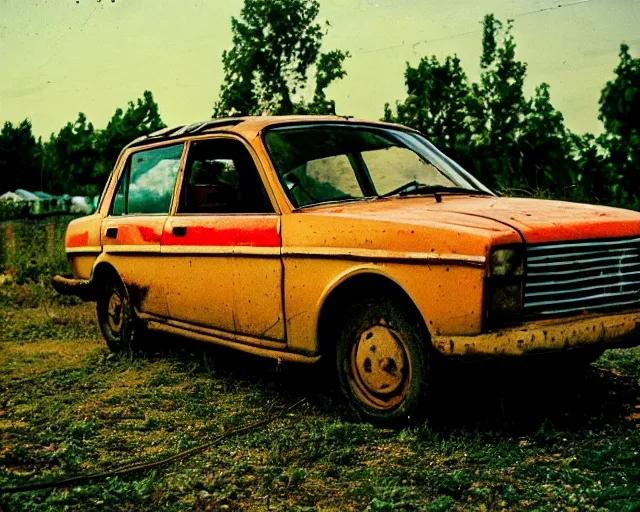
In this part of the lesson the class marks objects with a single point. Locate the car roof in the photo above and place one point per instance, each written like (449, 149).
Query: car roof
(248, 126)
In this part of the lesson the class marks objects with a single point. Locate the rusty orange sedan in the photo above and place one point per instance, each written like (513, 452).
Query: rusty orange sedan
(301, 238)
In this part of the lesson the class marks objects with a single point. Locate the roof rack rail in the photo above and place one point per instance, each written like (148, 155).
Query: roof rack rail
(186, 129)
(158, 133)
(165, 131)
(217, 123)
(179, 131)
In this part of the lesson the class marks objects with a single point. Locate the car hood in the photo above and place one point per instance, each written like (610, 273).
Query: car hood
(540, 220)
(536, 220)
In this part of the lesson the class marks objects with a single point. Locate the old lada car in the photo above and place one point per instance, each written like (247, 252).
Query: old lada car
(301, 238)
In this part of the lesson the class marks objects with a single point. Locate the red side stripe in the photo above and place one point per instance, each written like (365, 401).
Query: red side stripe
(78, 240)
(149, 234)
(252, 236)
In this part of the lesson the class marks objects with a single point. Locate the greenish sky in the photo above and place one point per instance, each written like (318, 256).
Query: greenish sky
(60, 57)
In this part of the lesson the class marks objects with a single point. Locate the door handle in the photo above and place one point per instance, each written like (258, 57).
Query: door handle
(111, 232)
(179, 230)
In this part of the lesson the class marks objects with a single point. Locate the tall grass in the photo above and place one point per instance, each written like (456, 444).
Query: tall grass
(33, 249)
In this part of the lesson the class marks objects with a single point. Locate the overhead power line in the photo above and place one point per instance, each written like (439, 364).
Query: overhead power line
(462, 34)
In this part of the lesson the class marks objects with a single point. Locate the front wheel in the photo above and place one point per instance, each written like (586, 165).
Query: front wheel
(116, 316)
(382, 363)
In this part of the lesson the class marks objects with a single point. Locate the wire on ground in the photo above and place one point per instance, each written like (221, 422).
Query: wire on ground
(74, 481)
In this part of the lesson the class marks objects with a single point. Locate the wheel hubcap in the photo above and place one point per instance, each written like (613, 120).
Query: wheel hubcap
(380, 367)
(114, 312)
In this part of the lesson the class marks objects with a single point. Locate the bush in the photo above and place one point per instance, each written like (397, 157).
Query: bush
(32, 250)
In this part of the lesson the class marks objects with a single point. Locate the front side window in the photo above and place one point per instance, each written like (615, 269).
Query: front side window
(323, 163)
(148, 180)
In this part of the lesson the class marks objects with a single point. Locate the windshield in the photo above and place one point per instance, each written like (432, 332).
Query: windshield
(324, 163)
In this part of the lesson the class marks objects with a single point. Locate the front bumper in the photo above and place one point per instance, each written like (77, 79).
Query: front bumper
(605, 331)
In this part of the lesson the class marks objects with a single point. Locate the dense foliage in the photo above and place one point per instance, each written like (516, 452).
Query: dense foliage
(77, 160)
(20, 157)
(275, 46)
(514, 143)
(70, 157)
(518, 144)
(620, 113)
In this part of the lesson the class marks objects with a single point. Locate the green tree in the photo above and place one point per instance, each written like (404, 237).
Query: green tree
(276, 44)
(620, 114)
(498, 108)
(517, 142)
(546, 148)
(140, 118)
(593, 180)
(436, 103)
(70, 159)
(79, 158)
(490, 127)
(20, 157)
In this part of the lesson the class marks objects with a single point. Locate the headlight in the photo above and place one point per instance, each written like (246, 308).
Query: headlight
(505, 286)
(507, 262)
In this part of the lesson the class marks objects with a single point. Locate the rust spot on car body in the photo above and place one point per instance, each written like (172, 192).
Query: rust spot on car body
(137, 294)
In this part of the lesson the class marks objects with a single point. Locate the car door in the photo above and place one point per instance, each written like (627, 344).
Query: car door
(132, 230)
(222, 245)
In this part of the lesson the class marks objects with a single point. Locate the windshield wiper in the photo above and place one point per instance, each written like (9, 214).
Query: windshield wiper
(439, 189)
(415, 187)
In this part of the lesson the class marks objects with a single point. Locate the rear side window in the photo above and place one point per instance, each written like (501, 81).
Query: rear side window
(148, 180)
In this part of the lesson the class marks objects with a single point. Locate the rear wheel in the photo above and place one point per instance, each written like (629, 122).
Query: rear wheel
(118, 322)
(382, 363)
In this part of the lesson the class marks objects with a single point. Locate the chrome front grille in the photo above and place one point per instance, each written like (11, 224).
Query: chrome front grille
(567, 278)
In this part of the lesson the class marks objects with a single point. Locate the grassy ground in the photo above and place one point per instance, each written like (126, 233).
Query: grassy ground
(499, 439)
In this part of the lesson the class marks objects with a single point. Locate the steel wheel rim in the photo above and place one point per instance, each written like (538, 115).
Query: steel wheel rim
(380, 369)
(115, 312)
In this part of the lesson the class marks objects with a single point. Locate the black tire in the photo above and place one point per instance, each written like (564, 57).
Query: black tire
(119, 325)
(382, 361)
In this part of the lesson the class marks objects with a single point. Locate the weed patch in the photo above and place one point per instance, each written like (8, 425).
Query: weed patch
(69, 407)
